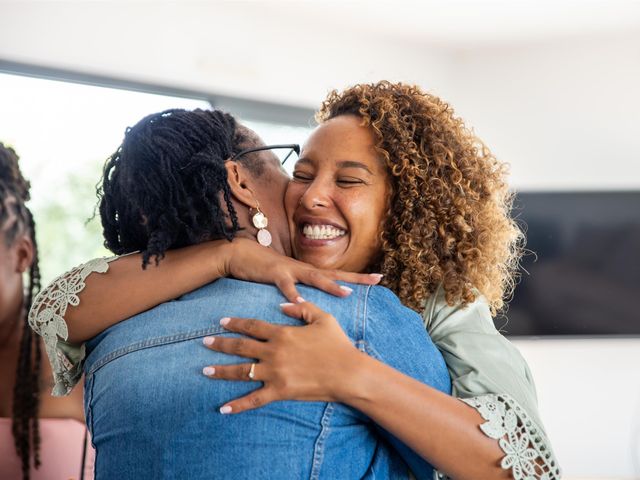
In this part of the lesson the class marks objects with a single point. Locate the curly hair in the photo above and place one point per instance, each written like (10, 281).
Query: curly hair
(448, 219)
(16, 219)
(164, 186)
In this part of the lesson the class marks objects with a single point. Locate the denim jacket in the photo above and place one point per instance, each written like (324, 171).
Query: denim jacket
(487, 371)
(152, 414)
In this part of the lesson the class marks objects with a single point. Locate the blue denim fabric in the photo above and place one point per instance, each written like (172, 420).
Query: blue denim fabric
(153, 414)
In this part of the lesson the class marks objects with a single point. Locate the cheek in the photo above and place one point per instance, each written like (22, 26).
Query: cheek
(292, 198)
(368, 214)
(10, 292)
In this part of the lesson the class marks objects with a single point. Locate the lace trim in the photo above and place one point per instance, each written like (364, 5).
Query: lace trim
(527, 450)
(46, 318)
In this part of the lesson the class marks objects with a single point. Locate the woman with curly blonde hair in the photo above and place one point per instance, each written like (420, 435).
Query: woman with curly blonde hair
(390, 182)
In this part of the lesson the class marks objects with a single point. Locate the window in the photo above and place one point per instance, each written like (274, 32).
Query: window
(63, 133)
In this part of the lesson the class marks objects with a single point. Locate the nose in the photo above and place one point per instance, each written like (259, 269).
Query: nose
(316, 196)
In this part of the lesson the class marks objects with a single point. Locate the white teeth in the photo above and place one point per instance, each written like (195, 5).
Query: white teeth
(322, 232)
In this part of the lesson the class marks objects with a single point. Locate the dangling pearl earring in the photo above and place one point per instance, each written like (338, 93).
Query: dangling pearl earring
(260, 221)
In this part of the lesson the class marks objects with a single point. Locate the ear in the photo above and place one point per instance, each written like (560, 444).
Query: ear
(25, 251)
(240, 182)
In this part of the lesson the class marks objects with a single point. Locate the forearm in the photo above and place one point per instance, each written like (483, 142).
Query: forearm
(438, 427)
(126, 289)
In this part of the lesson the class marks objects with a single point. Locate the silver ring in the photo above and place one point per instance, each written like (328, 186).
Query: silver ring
(252, 371)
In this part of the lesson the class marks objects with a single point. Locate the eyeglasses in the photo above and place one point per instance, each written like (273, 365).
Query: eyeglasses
(283, 152)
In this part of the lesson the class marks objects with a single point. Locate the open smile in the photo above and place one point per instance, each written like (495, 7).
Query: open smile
(319, 232)
(322, 232)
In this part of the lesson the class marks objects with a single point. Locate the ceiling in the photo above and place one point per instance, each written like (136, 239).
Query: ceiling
(457, 23)
(292, 52)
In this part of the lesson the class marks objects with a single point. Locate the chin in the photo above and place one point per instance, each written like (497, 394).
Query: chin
(320, 261)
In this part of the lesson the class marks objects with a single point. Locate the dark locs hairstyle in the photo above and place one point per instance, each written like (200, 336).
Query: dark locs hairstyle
(15, 220)
(164, 186)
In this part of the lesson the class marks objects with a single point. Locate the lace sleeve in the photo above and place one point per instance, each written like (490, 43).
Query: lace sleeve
(527, 450)
(46, 318)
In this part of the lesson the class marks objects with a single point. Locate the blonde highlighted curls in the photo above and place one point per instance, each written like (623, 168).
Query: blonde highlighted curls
(449, 216)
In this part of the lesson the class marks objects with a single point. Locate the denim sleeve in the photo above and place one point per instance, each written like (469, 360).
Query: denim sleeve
(396, 336)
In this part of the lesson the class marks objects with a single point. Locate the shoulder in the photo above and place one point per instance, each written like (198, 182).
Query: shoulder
(441, 319)
(379, 296)
(479, 358)
(383, 306)
(231, 286)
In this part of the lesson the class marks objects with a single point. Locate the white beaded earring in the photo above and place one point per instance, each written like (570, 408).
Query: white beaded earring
(260, 221)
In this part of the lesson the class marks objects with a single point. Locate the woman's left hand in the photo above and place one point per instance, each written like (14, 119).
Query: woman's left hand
(295, 363)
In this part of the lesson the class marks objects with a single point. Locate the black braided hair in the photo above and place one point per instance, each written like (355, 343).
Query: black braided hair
(164, 186)
(16, 219)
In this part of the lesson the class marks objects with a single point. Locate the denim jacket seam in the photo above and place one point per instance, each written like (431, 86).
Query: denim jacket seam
(371, 351)
(153, 342)
(89, 418)
(364, 313)
(318, 449)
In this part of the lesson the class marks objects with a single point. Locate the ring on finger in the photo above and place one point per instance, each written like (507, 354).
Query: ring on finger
(252, 371)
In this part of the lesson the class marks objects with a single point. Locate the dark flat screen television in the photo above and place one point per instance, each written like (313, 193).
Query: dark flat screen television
(583, 277)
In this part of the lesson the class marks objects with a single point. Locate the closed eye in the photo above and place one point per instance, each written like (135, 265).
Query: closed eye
(302, 177)
(350, 181)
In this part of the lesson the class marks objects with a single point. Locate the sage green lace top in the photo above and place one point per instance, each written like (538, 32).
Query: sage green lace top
(487, 372)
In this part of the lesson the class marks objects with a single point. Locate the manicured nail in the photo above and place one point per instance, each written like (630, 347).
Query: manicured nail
(346, 289)
(300, 300)
(224, 321)
(376, 276)
(208, 341)
(282, 305)
(225, 409)
(209, 371)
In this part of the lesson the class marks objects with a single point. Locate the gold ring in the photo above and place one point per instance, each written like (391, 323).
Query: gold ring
(252, 371)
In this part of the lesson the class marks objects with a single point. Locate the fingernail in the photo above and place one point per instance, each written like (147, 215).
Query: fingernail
(300, 300)
(209, 371)
(377, 276)
(346, 289)
(282, 305)
(224, 321)
(225, 409)
(208, 341)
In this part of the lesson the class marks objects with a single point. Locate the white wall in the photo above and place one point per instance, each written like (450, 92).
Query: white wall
(589, 397)
(565, 113)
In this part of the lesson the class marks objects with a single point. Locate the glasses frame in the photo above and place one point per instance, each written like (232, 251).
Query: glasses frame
(293, 146)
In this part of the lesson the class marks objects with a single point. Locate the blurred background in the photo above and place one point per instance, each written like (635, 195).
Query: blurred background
(553, 88)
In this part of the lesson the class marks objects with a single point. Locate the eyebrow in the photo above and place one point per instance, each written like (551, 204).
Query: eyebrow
(353, 164)
(341, 164)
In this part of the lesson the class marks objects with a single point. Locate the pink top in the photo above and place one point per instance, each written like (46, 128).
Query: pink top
(61, 447)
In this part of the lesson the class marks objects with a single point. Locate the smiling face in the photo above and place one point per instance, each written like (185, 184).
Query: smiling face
(337, 200)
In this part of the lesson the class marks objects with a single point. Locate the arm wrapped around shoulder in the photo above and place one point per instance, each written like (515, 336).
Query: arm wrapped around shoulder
(46, 318)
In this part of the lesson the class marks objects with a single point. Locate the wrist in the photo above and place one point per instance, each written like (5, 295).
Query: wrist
(356, 383)
(220, 253)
